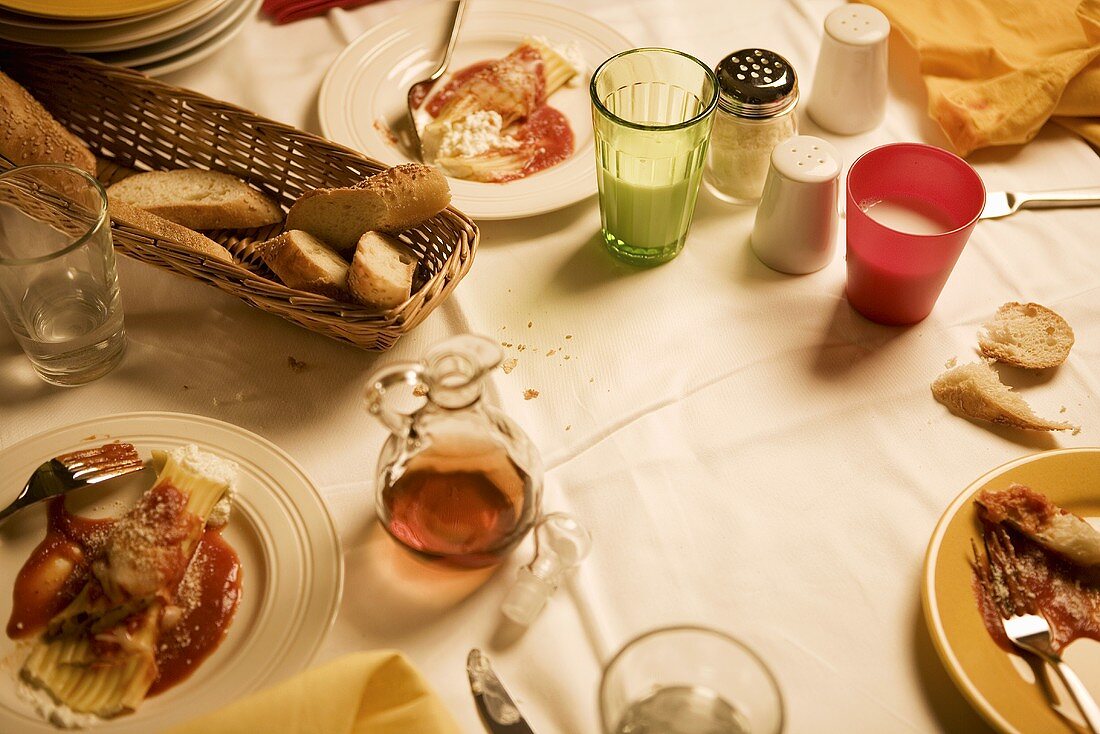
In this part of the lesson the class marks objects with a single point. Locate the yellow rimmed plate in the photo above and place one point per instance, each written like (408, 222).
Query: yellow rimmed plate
(1000, 686)
(291, 562)
(88, 9)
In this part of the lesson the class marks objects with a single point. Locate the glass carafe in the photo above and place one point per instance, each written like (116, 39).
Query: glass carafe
(458, 481)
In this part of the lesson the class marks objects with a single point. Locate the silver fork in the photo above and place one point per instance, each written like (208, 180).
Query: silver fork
(1002, 203)
(419, 91)
(1027, 629)
(77, 469)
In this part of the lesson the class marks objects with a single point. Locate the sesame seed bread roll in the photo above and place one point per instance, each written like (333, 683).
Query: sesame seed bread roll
(132, 216)
(305, 263)
(198, 199)
(381, 272)
(29, 134)
(391, 201)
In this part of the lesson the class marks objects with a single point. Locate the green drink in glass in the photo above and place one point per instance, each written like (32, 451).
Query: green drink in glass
(652, 110)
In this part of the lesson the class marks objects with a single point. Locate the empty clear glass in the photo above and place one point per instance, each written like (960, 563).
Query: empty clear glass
(58, 285)
(689, 680)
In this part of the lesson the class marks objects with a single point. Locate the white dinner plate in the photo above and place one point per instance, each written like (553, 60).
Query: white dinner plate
(230, 17)
(292, 567)
(365, 89)
(139, 33)
(203, 50)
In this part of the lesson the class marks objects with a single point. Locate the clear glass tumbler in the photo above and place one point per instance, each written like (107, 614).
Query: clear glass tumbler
(652, 110)
(689, 680)
(58, 285)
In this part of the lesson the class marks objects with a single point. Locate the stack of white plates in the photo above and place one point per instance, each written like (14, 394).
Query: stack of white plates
(153, 36)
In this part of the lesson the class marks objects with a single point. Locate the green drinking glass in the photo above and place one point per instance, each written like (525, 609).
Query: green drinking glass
(652, 110)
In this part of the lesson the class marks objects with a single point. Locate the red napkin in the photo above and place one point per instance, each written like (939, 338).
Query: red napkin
(288, 11)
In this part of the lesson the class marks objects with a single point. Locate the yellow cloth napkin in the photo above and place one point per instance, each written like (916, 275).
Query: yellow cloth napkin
(365, 693)
(997, 70)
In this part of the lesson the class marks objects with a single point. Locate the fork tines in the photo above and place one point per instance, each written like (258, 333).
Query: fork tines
(101, 463)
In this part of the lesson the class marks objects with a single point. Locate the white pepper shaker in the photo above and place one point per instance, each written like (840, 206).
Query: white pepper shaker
(849, 92)
(757, 94)
(796, 222)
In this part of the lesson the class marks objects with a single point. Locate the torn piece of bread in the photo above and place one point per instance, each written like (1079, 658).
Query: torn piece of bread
(381, 272)
(391, 201)
(30, 134)
(1034, 515)
(1026, 335)
(198, 199)
(975, 391)
(132, 216)
(305, 263)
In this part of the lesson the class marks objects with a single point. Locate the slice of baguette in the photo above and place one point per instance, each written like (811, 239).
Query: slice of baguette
(975, 391)
(132, 216)
(390, 201)
(304, 263)
(1026, 335)
(198, 199)
(381, 272)
(29, 134)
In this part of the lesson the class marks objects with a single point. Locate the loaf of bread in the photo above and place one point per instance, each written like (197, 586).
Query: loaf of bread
(1026, 335)
(198, 199)
(305, 263)
(975, 391)
(29, 134)
(132, 216)
(381, 272)
(390, 201)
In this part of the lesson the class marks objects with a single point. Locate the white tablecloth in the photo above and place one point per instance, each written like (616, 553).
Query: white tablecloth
(748, 453)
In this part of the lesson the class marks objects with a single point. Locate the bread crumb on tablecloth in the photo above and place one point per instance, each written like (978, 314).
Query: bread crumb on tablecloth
(420, 391)
(508, 365)
(530, 394)
(951, 362)
(551, 352)
(295, 365)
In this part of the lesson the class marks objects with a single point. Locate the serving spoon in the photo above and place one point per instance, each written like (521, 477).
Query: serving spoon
(419, 91)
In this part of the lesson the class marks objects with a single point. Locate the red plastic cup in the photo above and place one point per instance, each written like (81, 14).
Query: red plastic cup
(898, 264)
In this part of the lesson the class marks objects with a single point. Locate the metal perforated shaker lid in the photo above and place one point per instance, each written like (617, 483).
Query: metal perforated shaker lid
(755, 82)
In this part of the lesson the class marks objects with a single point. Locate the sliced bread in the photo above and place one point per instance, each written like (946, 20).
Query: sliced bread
(381, 272)
(1026, 335)
(132, 216)
(391, 201)
(304, 263)
(29, 134)
(975, 391)
(198, 199)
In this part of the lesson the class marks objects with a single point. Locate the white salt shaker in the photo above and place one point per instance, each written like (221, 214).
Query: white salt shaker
(795, 228)
(849, 92)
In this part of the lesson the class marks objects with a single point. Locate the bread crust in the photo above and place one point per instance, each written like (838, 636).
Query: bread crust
(30, 134)
(132, 216)
(297, 270)
(391, 201)
(244, 208)
(975, 391)
(1027, 335)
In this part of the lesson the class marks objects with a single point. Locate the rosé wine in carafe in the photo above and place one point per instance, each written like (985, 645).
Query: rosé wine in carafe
(458, 481)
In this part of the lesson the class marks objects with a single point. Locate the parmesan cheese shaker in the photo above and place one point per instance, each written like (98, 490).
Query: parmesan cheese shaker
(758, 91)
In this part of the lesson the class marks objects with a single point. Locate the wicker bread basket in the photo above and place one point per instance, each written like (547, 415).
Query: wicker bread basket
(132, 122)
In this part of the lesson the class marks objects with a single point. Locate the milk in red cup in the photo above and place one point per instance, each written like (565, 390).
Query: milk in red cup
(911, 208)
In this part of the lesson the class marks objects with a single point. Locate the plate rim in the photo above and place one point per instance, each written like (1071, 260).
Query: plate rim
(69, 9)
(399, 23)
(929, 604)
(334, 606)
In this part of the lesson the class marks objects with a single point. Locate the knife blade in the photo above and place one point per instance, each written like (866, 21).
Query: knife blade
(498, 711)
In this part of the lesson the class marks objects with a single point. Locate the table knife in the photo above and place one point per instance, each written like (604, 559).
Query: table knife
(1002, 203)
(497, 709)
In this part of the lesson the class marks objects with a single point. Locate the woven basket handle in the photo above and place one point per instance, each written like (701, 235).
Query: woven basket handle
(405, 373)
